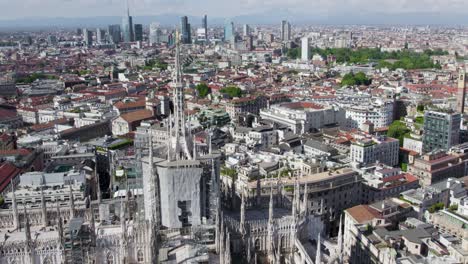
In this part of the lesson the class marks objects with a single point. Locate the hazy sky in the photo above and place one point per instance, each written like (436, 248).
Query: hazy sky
(11, 9)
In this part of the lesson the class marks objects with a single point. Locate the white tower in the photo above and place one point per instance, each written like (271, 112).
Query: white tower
(179, 138)
(305, 48)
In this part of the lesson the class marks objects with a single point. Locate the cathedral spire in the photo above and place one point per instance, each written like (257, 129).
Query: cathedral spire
(194, 149)
(181, 138)
(242, 215)
(59, 224)
(169, 132)
(123, 231)
(221, 243)
(210, 148)
(43, 207)
(96, 175)
(227, 255)
(270, 241)
(92, 223)
(217, 231)
(16, 221)
(27, 227)
(305, 203)
(318, 255)
(72, 203)
(321, 206)
(270, 206)
(340, 241)
(294, 200)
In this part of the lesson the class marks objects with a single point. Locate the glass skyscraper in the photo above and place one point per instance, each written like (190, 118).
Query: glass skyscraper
(185, 30)
(138, 32)
(229, 35)
(127, 27)
(205, 26)
(113, 33)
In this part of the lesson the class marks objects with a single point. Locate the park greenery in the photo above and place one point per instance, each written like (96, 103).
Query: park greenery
(436, 207)
(155, 63)
(453, 207)
(232, 91)
(203, 90)
(419, 120)
(398, 130)
(351, 79)
(420, 108)
(404, 59)
(8, 44)
(34, 76)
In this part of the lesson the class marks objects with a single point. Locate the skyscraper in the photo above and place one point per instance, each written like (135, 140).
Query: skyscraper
(52, 39)
(461, 93)
(88, 37)
(229, 34)
(186, 31)
(285, 30)
(246, 30)
(113, 32)
(305, 49)
(205, 26)
(100, 35)
(154, 33)
(138, 32)
(127, 26)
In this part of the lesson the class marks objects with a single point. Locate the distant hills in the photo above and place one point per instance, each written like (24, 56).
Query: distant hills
(273, 17)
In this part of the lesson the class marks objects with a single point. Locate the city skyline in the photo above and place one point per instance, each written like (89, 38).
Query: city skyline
(321, 10)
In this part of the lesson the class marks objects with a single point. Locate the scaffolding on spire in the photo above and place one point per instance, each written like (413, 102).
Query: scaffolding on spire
(179, 138)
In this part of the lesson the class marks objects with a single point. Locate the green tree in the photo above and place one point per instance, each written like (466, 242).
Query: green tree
(419, 120)
(420, 108)
(453, 207)
(436, 207)
(294, 53)
(351, 79)
(203, 90)
(398, 130)
(232, 91)
(404, 167)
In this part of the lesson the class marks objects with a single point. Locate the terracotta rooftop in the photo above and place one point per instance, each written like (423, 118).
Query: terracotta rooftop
(7, 172)
(363, 213)
(137, 115)
(134, 104)
(302, 105)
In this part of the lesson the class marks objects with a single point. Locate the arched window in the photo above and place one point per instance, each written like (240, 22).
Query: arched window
(257, 244)
(140, 256)
(110, 258)
(283, 242)
(47, 261)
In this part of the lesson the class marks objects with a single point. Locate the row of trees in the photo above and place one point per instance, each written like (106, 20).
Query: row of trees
(34, 76)
(232, 91)
(351, 79)
(404, 59)
(155, 63)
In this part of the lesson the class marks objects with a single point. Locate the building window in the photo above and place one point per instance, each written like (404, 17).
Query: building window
(140, 256)
(257, 244)
(110, 258)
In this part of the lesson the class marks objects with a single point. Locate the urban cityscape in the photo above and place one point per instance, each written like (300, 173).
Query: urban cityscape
(232, 142)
